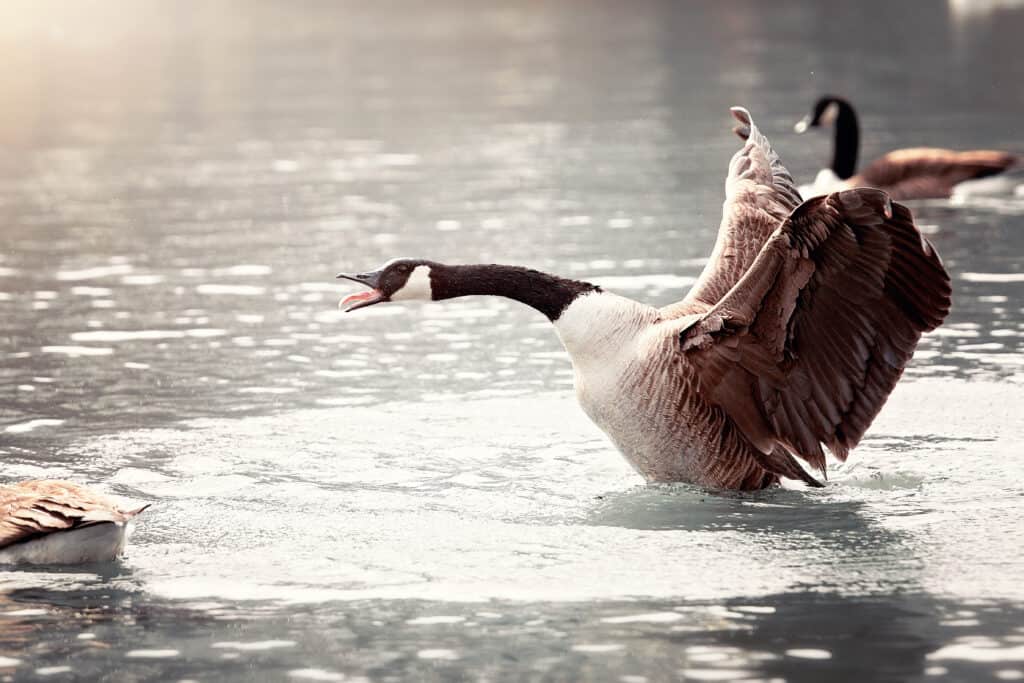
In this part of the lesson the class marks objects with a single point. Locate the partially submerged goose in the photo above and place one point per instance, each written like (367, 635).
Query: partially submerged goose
(913, 173)
(57, 522)
(792, 338)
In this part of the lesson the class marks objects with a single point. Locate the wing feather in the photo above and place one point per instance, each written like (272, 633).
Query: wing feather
(821, 326)
(759, 193)
(35, 508)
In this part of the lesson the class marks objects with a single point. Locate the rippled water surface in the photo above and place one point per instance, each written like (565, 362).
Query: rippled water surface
(411, 492)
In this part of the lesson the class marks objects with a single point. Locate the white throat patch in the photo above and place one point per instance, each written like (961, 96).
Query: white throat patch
(417, 287)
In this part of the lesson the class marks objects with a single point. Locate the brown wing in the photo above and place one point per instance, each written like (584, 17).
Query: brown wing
(35, 508)
(759, 193)
(807, 346)
(930, 173)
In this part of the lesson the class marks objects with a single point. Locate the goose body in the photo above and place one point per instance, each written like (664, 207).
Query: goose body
(912, 173)
(635, 385)
(791, 339)
(58, 522)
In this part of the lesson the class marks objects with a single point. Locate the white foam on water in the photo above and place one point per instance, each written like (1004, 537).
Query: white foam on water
(253, 646)
(230, 290)
(78, 350)
(401, 489)
(316, 675)
(31, 425)
(808, 653)
(640, 282)
(992, 277)
(94, 273)
(438, 653)
(152, 654)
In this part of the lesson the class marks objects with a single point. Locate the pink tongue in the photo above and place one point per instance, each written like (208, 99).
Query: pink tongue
(361, 296)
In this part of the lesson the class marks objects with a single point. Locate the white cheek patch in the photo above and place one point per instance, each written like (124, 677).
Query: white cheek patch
(829, 116)
(417, 287)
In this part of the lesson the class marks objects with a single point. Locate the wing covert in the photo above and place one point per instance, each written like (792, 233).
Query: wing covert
(806, 347)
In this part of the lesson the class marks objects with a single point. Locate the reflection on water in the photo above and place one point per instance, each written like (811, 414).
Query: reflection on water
(534, 548)
(180, 183)
(791, 636)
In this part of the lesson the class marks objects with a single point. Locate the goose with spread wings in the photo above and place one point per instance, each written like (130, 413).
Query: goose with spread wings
(790, 342)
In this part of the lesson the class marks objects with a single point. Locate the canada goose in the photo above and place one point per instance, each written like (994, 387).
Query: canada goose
(57, 522)
(793, 336)
(914, 173)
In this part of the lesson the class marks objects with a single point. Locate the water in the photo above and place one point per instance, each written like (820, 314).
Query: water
(411, 492)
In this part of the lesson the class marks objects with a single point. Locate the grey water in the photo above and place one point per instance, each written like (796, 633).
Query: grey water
(410, 492)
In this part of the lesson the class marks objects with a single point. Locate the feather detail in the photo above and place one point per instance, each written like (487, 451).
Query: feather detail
(836, 301)
(31, 510)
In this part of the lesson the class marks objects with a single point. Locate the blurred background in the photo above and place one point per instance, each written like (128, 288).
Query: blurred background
(179, 183)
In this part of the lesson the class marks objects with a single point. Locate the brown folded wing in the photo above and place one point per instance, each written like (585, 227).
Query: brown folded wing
(806, 347)
(35, 508)
(927, 172)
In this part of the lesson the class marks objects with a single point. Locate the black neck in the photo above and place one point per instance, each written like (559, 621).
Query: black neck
(847, 141)
(549, 294)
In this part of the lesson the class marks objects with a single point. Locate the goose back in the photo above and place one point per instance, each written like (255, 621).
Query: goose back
(33, 511)
(930, 172)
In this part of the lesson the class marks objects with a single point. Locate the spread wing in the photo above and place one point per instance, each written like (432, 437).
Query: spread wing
(926, 172)
(759, 193)
(35, 508)
(806, 347)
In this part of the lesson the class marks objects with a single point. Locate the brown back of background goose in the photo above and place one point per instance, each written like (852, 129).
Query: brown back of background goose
(929, 172)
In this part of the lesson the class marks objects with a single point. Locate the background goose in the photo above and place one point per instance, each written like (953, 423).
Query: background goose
(913, 173)
(793, 336)
(57, 522)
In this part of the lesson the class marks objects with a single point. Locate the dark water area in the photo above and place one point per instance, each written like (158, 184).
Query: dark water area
(411, 492)
(779, 637)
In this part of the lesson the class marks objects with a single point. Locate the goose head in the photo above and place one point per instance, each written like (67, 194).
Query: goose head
(826, 111)
(839, 114)
(403, 279)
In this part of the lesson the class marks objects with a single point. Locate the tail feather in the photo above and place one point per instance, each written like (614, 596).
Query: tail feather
(136, 511)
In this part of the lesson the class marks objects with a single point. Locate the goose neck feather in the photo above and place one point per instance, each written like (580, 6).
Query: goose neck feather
(847, 140)
(599, 325)
(549, 294)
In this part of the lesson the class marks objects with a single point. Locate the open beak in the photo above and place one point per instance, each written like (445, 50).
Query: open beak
(362, 299)
(802, 125)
